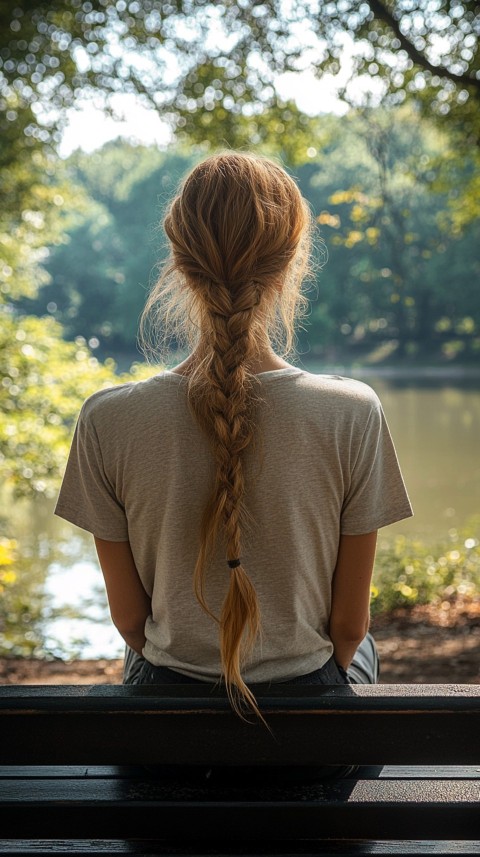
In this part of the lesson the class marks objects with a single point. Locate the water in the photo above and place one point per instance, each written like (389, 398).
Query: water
(92, 633)
(435, 425)
(62, 583)
(436, 431)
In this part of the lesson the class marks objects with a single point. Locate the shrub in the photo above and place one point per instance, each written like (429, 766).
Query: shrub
(409, 572)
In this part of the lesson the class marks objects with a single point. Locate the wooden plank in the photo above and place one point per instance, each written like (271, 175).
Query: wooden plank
(130, 792)
(68, 772)
(251, 821)
(128, 725)
(205, 696)
(121, 808)
(349, 848)
(430, 772)
(306, 738)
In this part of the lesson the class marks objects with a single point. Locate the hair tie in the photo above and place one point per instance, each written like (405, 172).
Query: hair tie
(234, 563)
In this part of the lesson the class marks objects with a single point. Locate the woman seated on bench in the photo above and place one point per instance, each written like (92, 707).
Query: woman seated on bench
(235, 499)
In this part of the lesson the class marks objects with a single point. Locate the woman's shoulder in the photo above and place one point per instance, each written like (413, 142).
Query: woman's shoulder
(337, 390)
(121, 399)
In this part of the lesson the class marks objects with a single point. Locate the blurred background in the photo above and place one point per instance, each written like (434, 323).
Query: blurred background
(374, 109)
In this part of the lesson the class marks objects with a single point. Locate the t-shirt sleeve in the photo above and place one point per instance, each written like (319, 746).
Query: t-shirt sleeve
(87, 497)
(376, 495)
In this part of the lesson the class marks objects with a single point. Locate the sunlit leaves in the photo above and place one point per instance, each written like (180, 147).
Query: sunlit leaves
(458, 177)
(393, 254)
(409, 571)
(99, 277)
(7, 559)
(43, 383)
(34, 215)
(215, 60)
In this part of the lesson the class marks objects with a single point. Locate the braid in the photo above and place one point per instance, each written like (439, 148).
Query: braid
(223, 398)
(239, 232)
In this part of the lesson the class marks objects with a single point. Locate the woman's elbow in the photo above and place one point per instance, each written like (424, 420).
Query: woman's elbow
(352, 631)
(127, 625)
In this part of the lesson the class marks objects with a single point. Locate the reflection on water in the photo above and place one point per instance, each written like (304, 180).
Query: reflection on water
(91, 632)
(59, 593)
(436, 430)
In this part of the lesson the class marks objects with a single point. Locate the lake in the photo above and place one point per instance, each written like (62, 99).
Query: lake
(435, 424)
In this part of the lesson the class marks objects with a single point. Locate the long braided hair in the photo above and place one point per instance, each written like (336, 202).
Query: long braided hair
(239, 232)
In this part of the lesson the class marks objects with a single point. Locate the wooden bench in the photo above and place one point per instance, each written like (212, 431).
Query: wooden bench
(73, 781)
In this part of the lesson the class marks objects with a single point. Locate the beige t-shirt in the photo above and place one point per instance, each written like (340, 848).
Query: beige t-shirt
(140, 470)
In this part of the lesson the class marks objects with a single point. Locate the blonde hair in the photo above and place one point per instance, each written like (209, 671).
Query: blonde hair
(240, 234)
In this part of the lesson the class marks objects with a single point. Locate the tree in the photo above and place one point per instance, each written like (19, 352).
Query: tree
(44, 383)
(408, 275)
(99, 275)
(204, 65)
(54, 54)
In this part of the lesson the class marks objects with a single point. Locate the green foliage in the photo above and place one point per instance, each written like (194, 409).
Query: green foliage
(457, 177)
(22, 604)
(43, 383)
(376, 186)
(394, 252)
(219, 61)
(98, 277)
(34, 215)
(409, 572)
(277, 129)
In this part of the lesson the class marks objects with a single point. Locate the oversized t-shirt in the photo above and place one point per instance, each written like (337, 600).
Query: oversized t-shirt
(323, 463)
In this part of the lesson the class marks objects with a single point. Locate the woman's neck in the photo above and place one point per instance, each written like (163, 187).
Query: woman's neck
(266, 362)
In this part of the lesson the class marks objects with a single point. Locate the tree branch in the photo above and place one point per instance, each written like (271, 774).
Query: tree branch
(380, 11)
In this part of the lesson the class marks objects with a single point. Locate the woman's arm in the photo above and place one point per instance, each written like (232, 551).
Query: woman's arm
(129, 604)
(350, 613)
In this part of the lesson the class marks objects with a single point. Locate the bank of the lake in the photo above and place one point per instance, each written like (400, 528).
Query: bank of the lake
(422, 645)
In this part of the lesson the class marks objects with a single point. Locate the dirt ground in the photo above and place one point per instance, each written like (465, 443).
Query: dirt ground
(427, 645)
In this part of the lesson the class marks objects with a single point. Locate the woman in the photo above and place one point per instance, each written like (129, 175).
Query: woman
(262, 483)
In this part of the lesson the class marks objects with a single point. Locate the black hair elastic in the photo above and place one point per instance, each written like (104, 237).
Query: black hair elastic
(234, 563)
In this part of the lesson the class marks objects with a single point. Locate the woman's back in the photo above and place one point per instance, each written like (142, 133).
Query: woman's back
(323, 464)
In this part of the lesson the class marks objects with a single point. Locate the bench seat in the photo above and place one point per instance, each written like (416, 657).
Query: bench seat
(76, 771)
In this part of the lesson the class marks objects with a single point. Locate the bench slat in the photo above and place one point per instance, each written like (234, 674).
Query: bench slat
(250, 820)
(171, 697)
(167, 725)
(151, 790)
(417, 772)
(98, 848)
(351, 848)
(398, 738)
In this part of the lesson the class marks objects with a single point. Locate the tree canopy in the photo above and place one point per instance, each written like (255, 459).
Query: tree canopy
(210, 70)
(203, 65)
